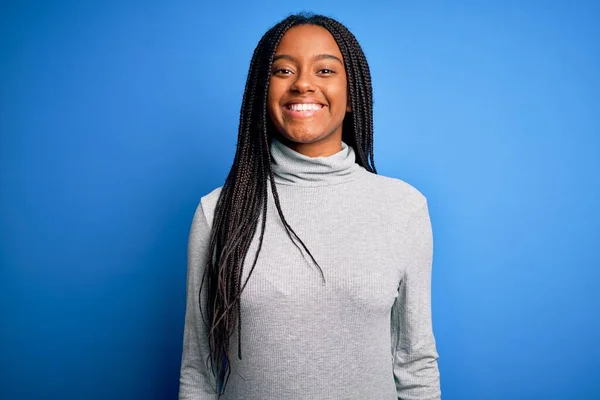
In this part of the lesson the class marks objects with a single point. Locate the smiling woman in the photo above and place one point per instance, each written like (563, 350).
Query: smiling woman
(307, 98)
(309, 275)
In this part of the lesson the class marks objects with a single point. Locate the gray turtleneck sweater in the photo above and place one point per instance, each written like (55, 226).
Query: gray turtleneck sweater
(364, 332)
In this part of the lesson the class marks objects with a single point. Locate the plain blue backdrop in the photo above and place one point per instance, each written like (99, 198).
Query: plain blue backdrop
(117, 116)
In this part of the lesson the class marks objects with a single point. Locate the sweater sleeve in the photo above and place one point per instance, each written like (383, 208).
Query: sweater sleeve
(196, 380)
(413, 344)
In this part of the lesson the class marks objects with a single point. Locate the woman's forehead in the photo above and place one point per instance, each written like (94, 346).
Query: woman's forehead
(308, 41)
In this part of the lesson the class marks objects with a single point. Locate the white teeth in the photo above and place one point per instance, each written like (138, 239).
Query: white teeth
(305, 107)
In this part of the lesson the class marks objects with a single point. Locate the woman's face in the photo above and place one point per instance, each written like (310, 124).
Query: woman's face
(307, 99)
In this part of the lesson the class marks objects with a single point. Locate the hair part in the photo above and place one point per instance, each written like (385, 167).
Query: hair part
(243, 199)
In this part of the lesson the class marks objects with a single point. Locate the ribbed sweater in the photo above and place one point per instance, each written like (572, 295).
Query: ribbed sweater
(363, 332)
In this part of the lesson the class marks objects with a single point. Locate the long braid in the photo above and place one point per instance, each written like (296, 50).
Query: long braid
(361, 93)
(242, 204)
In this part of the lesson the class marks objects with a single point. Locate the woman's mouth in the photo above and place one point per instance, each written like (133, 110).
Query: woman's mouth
(302, 110)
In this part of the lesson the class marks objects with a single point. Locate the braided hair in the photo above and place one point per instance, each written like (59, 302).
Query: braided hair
(243, 199)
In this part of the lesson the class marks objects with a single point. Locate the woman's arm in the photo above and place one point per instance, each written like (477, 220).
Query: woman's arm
(196, 380)
(413, 344)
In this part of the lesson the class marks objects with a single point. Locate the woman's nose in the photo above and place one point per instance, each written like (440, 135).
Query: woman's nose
(303, 83)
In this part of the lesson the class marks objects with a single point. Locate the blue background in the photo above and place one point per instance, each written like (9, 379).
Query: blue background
(117, 116)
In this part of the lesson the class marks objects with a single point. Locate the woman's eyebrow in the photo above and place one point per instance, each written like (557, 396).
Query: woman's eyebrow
(328, 57)
(324, 56)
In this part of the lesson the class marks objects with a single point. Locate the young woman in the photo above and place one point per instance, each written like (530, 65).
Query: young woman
(309, 274)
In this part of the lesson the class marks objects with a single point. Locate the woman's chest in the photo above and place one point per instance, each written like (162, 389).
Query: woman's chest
(357, 263)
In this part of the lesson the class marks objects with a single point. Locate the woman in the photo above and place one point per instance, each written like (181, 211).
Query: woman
(309, 275)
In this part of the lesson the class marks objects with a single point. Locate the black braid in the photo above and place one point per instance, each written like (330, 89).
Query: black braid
(243, 199)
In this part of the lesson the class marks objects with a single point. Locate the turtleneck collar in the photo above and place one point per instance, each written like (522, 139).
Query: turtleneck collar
(293, 168)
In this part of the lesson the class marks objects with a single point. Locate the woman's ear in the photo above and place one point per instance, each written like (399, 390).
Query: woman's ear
(348, 106)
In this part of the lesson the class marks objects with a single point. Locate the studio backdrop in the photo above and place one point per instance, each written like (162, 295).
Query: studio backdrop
(117, 116)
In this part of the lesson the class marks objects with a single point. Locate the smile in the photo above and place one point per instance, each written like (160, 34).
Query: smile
(302, 110)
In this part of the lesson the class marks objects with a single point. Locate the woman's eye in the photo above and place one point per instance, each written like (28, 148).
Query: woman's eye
(326, 71)
(282, 71)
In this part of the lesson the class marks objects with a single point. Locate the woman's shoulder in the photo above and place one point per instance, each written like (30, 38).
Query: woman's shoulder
(395, 190)
(206, 206)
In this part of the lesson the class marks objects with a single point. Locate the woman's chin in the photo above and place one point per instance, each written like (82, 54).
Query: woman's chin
(303, 137)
